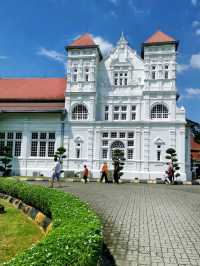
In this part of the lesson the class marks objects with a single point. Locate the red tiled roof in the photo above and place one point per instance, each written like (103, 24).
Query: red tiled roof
(84, 40)
(32, 89)
(31, 106)
(159, 37)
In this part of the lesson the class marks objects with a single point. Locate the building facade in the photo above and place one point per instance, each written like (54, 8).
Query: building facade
(122, 101)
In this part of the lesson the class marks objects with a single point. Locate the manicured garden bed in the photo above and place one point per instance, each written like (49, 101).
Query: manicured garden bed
(75, 238)
(17, 232)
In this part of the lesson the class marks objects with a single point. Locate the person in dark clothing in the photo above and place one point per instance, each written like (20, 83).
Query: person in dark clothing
(170, 172)
(85, 173)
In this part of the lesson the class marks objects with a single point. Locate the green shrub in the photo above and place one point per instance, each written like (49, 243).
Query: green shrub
(75, 238)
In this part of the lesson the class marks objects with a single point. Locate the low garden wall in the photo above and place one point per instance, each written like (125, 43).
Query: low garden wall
(76, 234)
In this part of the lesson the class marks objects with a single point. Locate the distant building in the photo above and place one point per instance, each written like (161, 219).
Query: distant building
(123, 101)
(195, 149)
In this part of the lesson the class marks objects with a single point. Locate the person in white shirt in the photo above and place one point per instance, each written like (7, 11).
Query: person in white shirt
(56, 174)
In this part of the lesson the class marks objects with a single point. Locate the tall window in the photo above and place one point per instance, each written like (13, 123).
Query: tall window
(158, 152)
(159, 111)
(104, 149)
(166, 71)
(153, 72)
(78, 150)
(43, 144)
(120, 112)
(120, 78)
(87, 74)
(110, 141)
(106, 113)
(80, 112)
(133, 112)
(13, 140)
(75, 74)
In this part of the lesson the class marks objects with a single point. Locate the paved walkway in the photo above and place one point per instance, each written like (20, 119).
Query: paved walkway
(147, 224)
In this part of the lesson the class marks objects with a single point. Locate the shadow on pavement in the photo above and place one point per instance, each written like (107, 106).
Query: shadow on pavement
(106, 258)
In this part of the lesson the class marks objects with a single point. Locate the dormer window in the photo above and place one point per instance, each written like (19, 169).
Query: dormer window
(120, 78)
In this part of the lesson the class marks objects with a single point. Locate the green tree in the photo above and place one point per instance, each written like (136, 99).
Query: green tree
(60, 154)
(172, 157)
(6, 160)
(118, 163)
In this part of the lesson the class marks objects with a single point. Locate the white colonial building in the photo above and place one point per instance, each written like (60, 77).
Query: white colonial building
(124, 101)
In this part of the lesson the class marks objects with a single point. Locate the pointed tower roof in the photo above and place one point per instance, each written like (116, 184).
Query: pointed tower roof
(122, 38)
(159, 37)
(84, 41)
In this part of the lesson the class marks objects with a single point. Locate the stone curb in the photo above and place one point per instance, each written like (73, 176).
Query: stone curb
(32, 179)
(135, 181)
(42, 220)
(143, 181)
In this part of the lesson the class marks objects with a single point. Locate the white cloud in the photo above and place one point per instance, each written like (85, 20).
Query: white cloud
(194, 2)
(195, 61)
(195, 23)
(113, 14)
(182, 67)
(3, 57)
(197, 32)
(114, 2)
(52, 54)
(105, 46)
(192, 93)
(136, 10)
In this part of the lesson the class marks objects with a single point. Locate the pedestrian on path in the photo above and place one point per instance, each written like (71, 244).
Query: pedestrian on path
(85, 173)
(170, 172)
(56, 173)
(104, 172)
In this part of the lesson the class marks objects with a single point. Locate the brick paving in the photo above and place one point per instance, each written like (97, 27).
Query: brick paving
(146, 224)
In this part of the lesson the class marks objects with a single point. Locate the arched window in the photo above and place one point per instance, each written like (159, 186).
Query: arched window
(80, 112)
(117, 145)
(159, 111)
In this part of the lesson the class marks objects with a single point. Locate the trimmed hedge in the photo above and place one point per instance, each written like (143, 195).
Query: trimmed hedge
(76, 235)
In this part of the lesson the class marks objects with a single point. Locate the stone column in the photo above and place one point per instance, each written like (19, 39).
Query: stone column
(90, 147)
(138, 146)
(146, 140)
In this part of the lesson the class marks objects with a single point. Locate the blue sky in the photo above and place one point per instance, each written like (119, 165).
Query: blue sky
(34, 33)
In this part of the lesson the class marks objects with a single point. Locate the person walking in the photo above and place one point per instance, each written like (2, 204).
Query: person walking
(56, 174)
(170, 172)
(104, 172)
(85, 173)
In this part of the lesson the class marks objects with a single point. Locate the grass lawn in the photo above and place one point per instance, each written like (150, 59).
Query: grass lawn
(17, 232)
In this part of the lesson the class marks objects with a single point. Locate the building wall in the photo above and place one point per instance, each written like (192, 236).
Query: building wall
(27, 123)
(152, 137)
